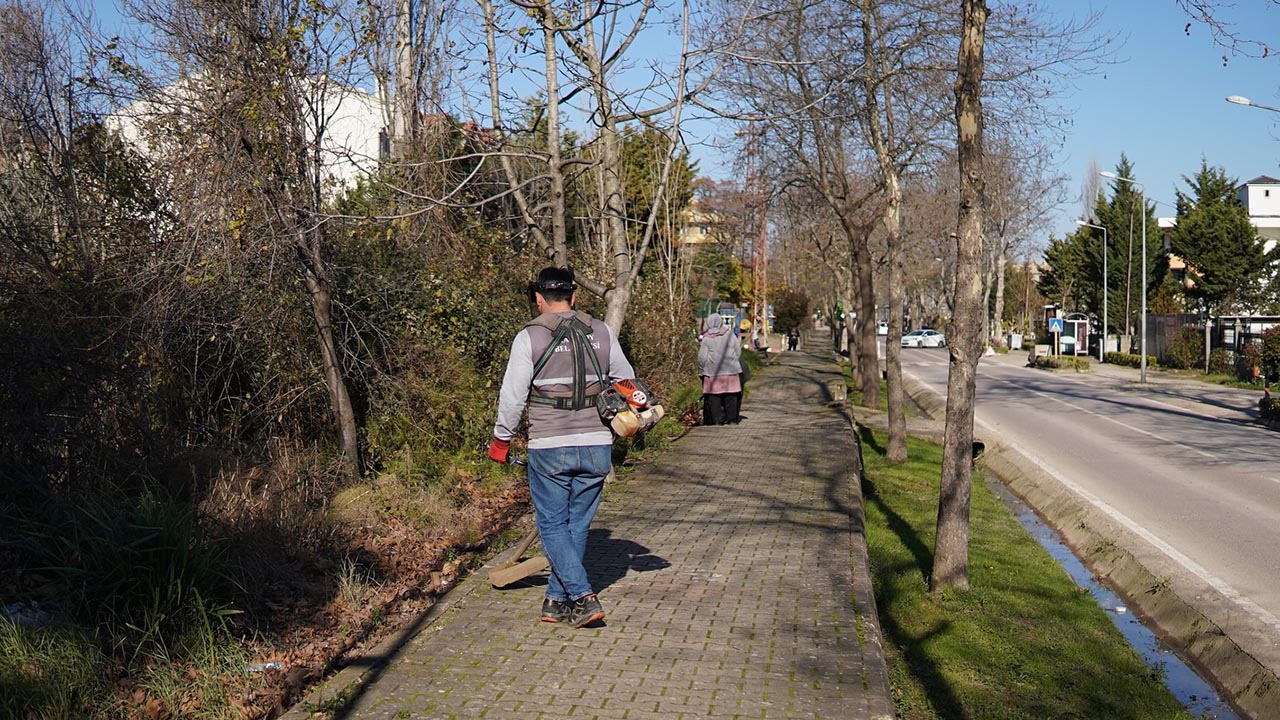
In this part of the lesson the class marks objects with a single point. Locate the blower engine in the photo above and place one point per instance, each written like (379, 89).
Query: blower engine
(629, 407)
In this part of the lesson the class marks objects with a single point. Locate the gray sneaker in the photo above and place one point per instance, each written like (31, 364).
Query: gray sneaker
(585, 611)
(556, 611)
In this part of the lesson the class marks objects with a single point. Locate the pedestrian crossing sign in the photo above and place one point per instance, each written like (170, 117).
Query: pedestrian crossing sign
(1055, 325)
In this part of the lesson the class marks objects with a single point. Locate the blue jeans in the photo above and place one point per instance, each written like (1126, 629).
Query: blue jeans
(566, 484)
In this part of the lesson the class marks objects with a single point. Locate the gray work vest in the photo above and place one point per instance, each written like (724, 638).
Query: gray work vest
(568, 377)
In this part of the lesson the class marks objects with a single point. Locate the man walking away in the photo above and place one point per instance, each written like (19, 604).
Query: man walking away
(560, 361)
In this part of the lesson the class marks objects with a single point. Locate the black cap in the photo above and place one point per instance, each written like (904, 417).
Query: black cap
(554, 278)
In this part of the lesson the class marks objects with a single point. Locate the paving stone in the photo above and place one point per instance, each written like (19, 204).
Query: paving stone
(725, 571)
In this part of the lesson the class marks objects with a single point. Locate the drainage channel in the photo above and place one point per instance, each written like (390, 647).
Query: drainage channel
(1195, 693)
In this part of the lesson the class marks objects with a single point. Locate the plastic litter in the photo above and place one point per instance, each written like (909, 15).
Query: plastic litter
(27, 614)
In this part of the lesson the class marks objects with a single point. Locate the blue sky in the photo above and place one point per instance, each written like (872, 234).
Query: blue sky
(1162, 103)
(1164, 106)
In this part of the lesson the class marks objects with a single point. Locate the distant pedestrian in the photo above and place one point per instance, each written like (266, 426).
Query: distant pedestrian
(793, 338)
(720, 365)
(559, 363)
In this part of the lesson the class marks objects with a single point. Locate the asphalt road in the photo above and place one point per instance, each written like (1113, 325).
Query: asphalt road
(1183, 468)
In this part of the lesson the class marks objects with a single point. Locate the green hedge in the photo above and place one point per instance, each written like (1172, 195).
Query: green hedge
(1221, 362)
(1063, 362)
(1116, 358)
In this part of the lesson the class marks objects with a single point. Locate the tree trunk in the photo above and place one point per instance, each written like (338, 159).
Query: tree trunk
(318, 288)
(951, 548)
(897, 449)
(868, 357)
(997, 313)
(404, 103)
(559, 250)
(848, 343)
(988, 286)
(618, 299)
(878, 119)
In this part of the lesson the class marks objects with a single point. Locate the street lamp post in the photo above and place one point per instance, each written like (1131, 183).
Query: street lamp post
(1102, 346)
(1142, 375)
(1242, 100)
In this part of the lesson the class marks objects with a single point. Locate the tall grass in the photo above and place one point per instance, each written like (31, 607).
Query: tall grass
(144, 597)
(61, 673)
(141, 573)
(51, 673)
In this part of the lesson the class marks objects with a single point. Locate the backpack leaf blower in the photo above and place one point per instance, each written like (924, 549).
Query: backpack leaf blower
(628, 407)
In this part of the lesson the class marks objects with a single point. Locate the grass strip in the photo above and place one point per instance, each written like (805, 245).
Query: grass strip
(1023, 642)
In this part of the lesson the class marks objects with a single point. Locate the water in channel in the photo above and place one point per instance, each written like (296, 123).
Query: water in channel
(1194, 692)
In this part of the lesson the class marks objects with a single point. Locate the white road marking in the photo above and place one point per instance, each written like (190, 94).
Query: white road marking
(1191, 566)
(1154, 401)
(1082, 409)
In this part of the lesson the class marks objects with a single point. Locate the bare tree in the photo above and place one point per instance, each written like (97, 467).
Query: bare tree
(793, 71)
(1090, 189)
(405, 52)
(260, 94)
(1215, 15)
(1022, 188)
(900, 72)
(41, 109)
(928, 222)
(584, 48)
(813, 240)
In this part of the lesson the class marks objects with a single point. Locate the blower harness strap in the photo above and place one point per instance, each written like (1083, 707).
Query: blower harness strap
(583, 394)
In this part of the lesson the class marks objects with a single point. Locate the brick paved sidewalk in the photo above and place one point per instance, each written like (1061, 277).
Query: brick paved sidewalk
(733, 571)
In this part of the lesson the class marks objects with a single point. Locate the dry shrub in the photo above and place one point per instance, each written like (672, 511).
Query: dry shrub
(272, 522)
(660, 339)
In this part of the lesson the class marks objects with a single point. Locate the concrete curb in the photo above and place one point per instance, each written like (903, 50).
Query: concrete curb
(1240, 654)
(876, 679)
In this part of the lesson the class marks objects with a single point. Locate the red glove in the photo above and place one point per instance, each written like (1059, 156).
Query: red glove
(499, 450)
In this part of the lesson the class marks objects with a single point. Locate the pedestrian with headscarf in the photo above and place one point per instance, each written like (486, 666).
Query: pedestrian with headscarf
(720, 365)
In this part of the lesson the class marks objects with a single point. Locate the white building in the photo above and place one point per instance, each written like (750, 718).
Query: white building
(354, 139)
(1261, 196)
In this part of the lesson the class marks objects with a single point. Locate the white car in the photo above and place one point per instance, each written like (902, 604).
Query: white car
(882, 328)
(924, 339)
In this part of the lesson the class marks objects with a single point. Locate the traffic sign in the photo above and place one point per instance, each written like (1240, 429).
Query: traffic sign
(1055, 325)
